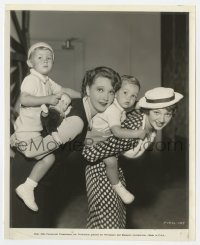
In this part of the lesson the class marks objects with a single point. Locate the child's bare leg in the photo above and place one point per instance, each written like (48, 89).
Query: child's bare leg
(26, 190)
(113, 176)
(112, 170)
(41, 168)
(38, 147)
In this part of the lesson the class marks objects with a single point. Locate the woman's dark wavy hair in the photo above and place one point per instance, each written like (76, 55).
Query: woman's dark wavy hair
(101, 71)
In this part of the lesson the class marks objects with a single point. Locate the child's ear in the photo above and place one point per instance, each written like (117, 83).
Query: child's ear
(88, 91)
(29, 63)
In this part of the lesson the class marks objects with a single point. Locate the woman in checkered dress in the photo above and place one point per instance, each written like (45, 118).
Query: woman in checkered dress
(106, 209)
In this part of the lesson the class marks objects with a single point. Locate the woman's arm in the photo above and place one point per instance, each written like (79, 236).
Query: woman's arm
(70, 128)
(113, 145)
(120, 132)
(110, 147)
(72, 93)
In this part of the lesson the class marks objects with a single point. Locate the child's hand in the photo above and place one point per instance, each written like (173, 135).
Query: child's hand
(53, 99)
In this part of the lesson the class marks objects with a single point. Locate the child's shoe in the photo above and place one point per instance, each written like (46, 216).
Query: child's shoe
(125, 195)
(27, 195)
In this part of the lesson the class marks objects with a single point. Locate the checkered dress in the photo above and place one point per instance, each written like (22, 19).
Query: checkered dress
(106, 209)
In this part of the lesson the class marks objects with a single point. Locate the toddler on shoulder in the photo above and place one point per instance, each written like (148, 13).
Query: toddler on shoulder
(109, 123)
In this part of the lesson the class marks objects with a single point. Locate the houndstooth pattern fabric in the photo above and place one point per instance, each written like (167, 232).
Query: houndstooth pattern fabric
(106, 209)
(113, 145)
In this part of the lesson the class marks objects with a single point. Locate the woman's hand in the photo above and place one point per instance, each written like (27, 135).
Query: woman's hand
(141, 133)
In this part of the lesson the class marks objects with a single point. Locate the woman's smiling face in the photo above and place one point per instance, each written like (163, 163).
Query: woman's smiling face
(159, 118)
(101, 94)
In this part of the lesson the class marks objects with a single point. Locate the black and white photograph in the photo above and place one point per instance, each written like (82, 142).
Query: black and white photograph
(72, 170)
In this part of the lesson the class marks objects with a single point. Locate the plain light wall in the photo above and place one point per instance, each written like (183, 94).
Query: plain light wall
(127, 42)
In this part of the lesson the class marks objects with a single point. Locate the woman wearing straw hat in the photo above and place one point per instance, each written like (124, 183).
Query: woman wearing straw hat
(106, 209)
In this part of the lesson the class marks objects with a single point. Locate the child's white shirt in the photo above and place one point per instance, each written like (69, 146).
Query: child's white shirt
(29, 117)
(114, 115)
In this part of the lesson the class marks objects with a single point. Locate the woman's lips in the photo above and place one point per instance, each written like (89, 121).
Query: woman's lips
(159, 124)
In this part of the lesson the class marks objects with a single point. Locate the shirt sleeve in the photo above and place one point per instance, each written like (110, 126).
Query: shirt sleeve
(29, 85)
(56, 88)
(70, 128)
(113, 116)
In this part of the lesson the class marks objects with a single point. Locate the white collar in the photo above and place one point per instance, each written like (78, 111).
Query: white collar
(116, 103)
(87, 111)
(44, 79)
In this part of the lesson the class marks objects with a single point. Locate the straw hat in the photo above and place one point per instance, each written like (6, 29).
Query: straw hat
(159, 97)
(40, 45)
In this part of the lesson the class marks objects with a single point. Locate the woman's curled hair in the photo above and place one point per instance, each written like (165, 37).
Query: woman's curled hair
(101, 71)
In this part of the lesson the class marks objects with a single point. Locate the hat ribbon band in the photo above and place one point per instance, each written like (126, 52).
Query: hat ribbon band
(160, 100)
